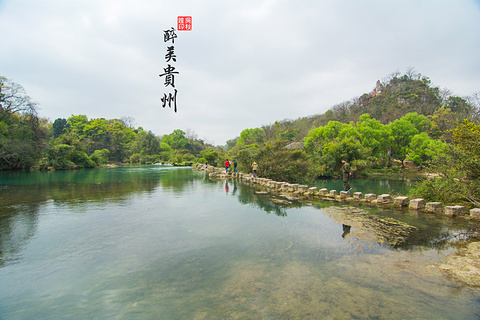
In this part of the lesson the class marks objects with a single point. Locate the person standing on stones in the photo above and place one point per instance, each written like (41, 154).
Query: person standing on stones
(254, 168)
(227, 165)
(346, 172)
(235, 166)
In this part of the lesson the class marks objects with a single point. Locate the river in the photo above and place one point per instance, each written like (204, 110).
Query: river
(158, 242)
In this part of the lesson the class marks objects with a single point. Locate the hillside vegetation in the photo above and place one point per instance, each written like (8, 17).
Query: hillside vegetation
(403, 118)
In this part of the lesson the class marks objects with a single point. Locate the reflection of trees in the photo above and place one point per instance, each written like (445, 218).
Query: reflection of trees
(377, 186)
(91, 184)
(23, 193)
(263, 200)
(384, 226)
(71, 192)
(17, 227)
(176, 179)
(439, 233)
(401, 231)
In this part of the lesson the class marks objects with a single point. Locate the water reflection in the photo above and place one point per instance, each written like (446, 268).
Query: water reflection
(17, 226)
(261, 200)
(23, 195)
(346, 230)
(395, 228)
(375, 186)
(106, 184)
(173, 244)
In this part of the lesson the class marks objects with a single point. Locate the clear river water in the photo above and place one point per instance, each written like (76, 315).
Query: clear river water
(158, 242)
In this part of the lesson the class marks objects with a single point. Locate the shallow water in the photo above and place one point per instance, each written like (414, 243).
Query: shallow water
(158, 242)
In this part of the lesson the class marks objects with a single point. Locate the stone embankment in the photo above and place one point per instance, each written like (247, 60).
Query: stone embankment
(299, 191)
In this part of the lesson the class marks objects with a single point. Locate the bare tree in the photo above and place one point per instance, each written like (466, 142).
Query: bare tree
(191, 135)
(445, 94)
(474, 101)
(14, 99)
(386, 80)
(129, 122)
(411, 73)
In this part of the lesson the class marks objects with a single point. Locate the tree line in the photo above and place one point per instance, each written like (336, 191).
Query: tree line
(28, 141)
(405, 118)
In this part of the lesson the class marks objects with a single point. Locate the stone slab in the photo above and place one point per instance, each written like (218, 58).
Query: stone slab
(417, 204)
(436, 207)
(453, 211)
(400, 201)
(357, 195)
(384, 199)
(475, 213)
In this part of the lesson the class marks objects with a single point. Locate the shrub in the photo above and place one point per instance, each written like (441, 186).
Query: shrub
(100, 156)
(81, 159)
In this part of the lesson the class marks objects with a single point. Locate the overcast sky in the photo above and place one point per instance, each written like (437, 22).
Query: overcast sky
(244, 64)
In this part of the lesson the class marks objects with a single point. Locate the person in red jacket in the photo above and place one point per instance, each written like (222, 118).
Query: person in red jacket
(227, 164)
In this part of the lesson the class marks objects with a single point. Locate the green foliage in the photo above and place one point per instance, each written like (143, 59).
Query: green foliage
(146, 143)
(211, 156)
(176, 140)
(77, 124)
(60, 126)
(16, 154)
(442, 122)
(327, 145)
(458, 169)
(402, 133)
(467, 140)
(423, 149)
(58, 157)
(375, 136)
(100, 157)
(251, 136)
(401, 95)
(245, 156)
(135, 158)
(421, 122)
(22, 138)
(404, 116)
(289, 134)
(81, 159)
(281, 164)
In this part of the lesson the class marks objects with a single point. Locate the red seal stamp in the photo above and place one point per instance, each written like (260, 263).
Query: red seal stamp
(184, 23)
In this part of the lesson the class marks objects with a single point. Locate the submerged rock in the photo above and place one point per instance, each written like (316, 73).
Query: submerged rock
(371, 228)
(464, 265)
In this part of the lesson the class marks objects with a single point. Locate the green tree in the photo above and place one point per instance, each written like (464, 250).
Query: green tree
(120, 137)
(60, 126)
(176, 140)
(280, 164)
(443, 121)
(457, 169)
(245, 156)
(421, 122)
(460, 106)
(402, 134)
(77, 124)
(211, 156)
(100, 157)
(318, 137)
(22, 138)
(375, 137)
(423, 149)
(467, 139)
(251, 136)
